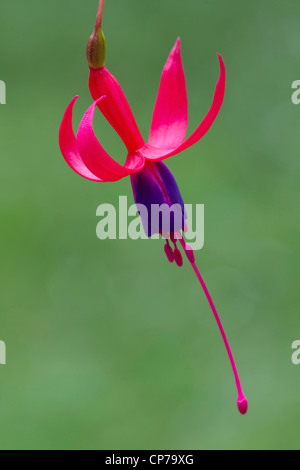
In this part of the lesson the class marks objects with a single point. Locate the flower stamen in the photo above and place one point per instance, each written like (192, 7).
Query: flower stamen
(169, 252)
(177, 255)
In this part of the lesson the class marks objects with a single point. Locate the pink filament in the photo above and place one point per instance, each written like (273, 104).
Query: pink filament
(242, 402)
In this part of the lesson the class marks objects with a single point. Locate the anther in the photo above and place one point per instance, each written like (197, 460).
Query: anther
(169, 252)
(178, 257)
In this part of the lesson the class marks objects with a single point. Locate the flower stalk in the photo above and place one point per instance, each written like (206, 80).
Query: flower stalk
(99, 15)
(96, 46)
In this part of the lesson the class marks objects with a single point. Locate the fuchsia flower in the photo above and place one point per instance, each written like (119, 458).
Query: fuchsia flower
(152, 182)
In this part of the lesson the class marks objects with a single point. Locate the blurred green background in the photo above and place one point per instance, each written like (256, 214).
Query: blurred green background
(109, 346)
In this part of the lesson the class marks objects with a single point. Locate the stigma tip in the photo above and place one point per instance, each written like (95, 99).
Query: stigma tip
(242, 404)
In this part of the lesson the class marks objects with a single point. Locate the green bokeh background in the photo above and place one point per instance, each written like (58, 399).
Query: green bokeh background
(109, 346)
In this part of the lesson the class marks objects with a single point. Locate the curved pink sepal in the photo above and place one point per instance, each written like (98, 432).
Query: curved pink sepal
(170, 117)
(96, 158)
(116, 108)
(155, 154)
(69, 148)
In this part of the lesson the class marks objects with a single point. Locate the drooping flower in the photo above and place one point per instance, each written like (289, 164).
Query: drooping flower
(152, 181)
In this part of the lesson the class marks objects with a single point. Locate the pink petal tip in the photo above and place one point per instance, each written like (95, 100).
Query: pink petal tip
(170, 116)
